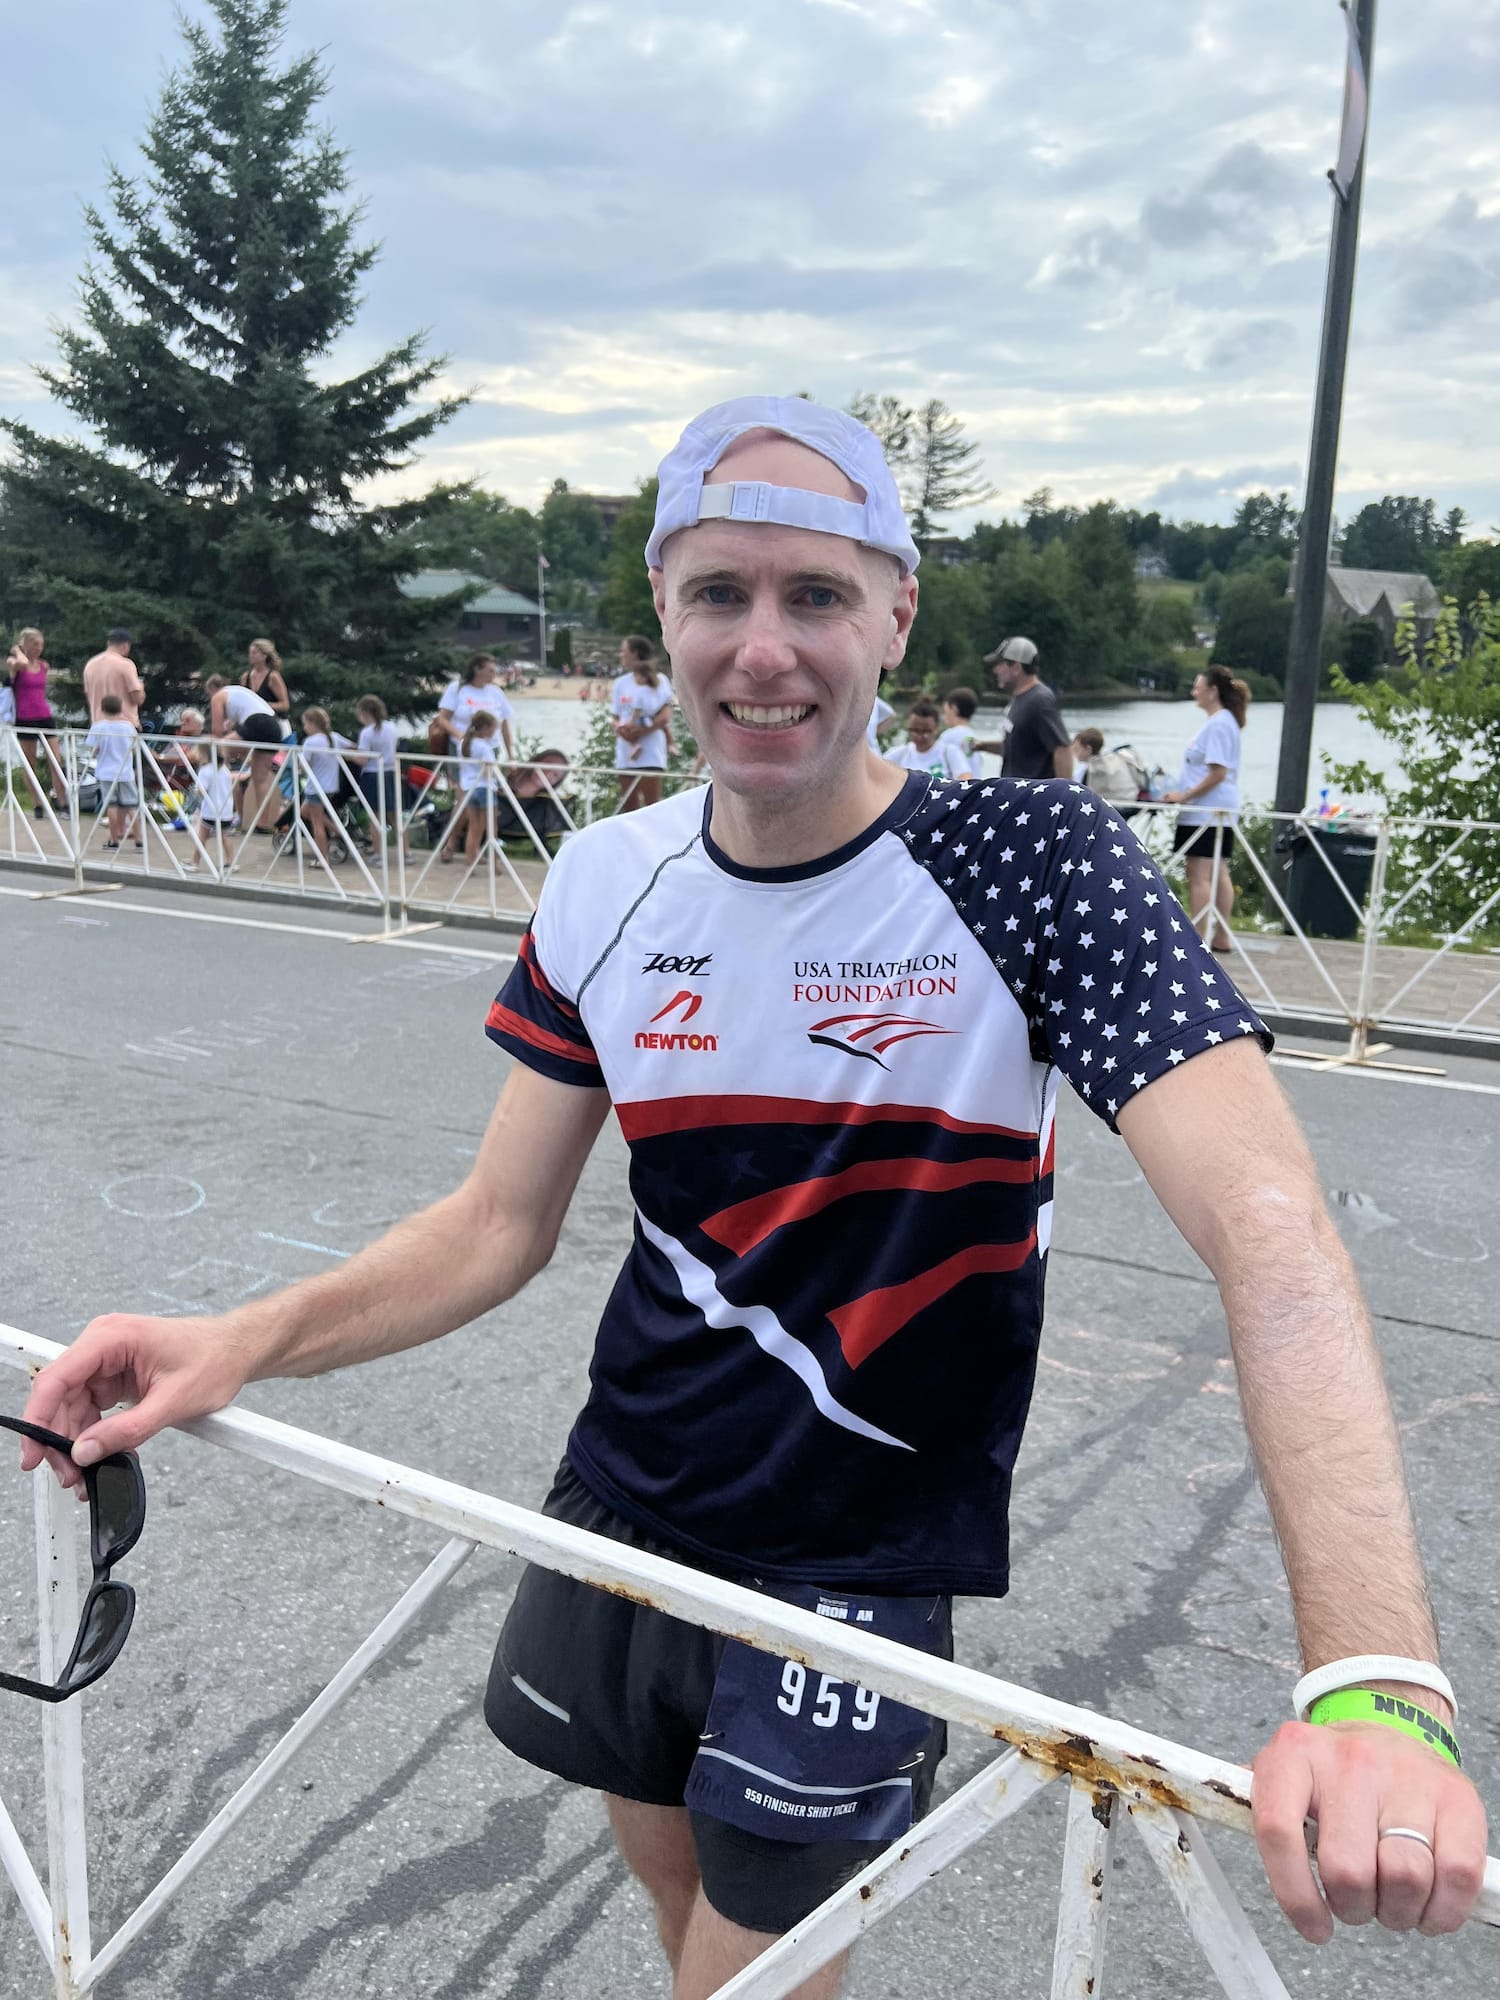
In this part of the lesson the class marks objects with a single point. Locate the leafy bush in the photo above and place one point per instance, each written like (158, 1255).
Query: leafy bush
(1439, 708)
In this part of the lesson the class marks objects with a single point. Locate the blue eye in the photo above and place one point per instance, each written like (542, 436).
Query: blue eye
(821, 596)
(719, 593)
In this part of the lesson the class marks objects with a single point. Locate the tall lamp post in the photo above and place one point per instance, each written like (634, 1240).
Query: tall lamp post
(542, 567)
(1303, 650)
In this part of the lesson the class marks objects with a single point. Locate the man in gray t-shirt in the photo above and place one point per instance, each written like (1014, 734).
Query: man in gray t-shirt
(1039, 743)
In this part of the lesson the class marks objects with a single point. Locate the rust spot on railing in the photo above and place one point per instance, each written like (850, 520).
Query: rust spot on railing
(1078, 1757)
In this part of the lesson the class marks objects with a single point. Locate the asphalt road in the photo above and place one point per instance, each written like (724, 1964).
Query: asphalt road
(196, 1111)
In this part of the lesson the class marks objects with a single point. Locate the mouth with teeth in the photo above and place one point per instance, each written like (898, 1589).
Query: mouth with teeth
(749, 715)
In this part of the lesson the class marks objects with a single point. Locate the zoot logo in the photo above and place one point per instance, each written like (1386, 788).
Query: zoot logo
(682, 965)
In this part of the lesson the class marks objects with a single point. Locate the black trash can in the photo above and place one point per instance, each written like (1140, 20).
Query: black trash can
(1306, 853)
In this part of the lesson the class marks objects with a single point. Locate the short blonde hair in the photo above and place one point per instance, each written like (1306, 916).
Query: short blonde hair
(29, 632)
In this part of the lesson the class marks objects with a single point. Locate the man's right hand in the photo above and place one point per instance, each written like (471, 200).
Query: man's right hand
(171, 1370)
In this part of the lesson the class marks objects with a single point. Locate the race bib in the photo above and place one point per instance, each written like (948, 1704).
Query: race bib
(792, 1753)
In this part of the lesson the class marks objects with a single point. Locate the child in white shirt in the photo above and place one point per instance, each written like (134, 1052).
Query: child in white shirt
(218, 804)
(959, 705)
(924, 750)
(477, 780)
(112, 740)
(320, 774)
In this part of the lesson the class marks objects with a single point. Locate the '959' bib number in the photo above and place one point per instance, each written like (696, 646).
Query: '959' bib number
(828, 1703)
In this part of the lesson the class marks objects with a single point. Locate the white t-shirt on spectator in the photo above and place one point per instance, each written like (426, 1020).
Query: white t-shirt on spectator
(462, 701)
(111, 741)
(881, 712)
(940, 760)
(631, 700)
(321, 763)
(1217, 742)
(379, 739)
(476, 772)
(961, 736)
(215, 791)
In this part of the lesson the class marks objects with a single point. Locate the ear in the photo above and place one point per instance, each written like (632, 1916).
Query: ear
(903, 611)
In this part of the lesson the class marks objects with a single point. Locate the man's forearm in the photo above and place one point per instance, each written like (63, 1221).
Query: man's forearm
(1323, 1433)
(431, 1273)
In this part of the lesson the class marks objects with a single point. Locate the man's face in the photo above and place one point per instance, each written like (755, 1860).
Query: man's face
(1007, 673)
(778, 635)
(922, 729)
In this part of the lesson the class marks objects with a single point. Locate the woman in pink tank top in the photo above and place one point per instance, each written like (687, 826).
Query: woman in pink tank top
(28, 679)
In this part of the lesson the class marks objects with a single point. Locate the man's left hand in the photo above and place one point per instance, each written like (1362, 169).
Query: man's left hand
(1357, 1779)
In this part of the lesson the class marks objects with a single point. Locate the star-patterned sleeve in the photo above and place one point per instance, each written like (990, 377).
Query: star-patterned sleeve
(1116, 984)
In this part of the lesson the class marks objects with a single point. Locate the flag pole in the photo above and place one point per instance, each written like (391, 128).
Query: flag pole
(541, 595)
(1303, 663)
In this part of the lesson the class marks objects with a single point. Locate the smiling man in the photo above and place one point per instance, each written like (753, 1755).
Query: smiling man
(829, 1002)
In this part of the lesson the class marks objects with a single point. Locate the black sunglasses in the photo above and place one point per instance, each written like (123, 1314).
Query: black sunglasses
(117, 1513)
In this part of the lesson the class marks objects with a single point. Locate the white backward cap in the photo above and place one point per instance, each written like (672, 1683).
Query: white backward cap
(682, 499)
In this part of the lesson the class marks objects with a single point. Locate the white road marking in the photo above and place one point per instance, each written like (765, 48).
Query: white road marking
(1288, 1059)
(296, 1243)
(297, 930)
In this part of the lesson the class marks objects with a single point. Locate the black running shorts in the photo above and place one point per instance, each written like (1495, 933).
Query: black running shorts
(614, 1695)
(1200, 841)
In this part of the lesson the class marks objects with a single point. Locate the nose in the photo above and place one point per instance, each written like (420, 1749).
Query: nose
(765, 648)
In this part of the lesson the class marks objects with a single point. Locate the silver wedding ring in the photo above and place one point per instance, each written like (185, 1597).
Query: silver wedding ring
(1406, 1833)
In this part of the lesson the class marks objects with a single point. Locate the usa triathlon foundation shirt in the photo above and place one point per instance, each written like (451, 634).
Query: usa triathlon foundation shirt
(837, 1084)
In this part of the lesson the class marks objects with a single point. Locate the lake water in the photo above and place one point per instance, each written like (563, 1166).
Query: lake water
(1158, 730)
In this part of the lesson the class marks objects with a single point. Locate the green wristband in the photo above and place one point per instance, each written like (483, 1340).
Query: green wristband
(1365, 1705)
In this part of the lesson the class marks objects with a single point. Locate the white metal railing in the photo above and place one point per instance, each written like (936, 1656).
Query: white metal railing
(1115, 1771)
(1437, 880)
(412, 846)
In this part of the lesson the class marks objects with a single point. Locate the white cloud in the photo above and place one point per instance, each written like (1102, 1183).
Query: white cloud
(1097, 232)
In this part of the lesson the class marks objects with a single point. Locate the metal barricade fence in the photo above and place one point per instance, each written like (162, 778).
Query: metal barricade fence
(1414, 947)
(1115, 1772)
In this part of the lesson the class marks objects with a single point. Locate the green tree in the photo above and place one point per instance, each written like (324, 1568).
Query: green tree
(572, 535)
(1439, 710)
(1400, 532)
(942, 469)
(1106, 604)
(1359, 648)
(948, 639)
(1471, 570)
(892, 422)
(627, 604)
(222, 499)
(1031, 596)
(936, 466)
(1255, 620)
(464, 527)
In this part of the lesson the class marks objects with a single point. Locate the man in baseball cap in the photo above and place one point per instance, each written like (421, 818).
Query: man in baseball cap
(830, 1002)
(1037, 741)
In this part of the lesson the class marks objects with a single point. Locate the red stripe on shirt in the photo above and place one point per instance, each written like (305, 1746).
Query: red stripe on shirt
(741, 1227)
(868, 1323)
(503, 1021)
(652, 1118)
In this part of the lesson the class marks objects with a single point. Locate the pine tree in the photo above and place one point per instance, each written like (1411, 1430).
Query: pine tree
(942, 469)
(222, 500)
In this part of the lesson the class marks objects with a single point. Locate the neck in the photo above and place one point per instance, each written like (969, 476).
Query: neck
(781, 833)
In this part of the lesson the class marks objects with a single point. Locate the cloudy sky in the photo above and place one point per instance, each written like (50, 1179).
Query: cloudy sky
(1098, 232)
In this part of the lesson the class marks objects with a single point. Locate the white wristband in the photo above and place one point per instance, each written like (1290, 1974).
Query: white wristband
(1365, 1667)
